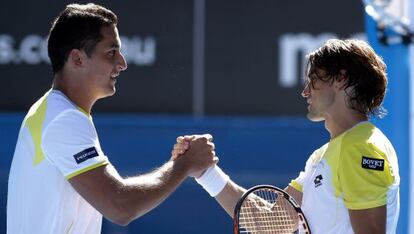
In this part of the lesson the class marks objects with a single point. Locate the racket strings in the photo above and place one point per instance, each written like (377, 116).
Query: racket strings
(267, 211)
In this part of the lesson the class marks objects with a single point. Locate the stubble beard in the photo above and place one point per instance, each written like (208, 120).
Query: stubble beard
(313, 115)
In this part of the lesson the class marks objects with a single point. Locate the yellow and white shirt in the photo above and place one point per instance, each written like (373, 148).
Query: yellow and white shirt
(356, 170)
(57, 141)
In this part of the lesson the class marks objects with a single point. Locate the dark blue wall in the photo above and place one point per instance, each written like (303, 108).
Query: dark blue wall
(251, 150)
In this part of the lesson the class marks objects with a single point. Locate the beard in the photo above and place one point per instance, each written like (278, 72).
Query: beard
(314, 115)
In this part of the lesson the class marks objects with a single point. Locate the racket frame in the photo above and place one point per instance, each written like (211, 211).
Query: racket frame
(287, 196)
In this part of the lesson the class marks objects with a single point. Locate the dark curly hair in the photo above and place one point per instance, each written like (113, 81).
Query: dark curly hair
(77, 27)
(365, 72)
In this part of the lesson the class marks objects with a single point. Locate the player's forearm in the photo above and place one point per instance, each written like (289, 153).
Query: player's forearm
(219, 186)
(142, 193)
(122, 200)
(297, 195)
(229, 196)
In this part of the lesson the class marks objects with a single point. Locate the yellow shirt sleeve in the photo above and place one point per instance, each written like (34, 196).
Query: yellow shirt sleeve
(364, 175)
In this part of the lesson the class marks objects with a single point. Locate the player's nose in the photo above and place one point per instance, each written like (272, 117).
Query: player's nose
(122, 63)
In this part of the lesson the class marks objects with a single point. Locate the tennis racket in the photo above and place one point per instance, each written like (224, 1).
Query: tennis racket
(267, 209)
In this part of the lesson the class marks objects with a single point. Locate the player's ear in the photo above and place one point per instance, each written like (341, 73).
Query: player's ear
(76, 58)
(342, 79)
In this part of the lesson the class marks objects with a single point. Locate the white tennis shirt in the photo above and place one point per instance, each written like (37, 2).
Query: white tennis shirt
(57, 141)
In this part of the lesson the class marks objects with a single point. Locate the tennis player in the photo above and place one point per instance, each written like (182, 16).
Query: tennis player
(350, 184)
(60, 179)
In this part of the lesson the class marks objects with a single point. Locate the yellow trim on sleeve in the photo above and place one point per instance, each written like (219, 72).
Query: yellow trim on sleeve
(296, 185)
(86, 169)
(366, 205)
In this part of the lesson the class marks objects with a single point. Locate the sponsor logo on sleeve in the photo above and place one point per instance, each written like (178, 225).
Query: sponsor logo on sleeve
(85, 154)
(372, 163)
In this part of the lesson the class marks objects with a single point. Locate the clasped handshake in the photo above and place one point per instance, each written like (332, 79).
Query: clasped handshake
(194, 153)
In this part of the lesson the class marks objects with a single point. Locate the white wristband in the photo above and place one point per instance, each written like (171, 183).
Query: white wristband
(213, 180)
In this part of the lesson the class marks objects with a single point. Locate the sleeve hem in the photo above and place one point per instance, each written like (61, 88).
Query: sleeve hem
(365, 205)
(88, 168)
(296, 185)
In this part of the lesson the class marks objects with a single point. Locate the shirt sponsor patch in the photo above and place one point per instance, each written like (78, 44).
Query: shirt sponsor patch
(372, 163)
(85, 154)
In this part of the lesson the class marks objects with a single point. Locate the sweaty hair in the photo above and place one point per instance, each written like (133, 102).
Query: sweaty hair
(77, 27)
(365, 73)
